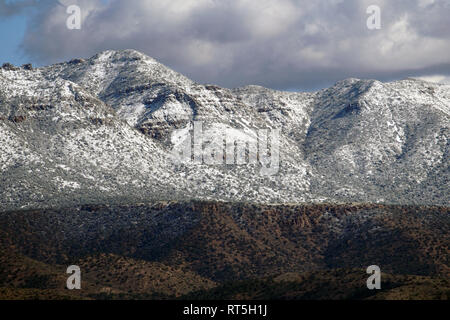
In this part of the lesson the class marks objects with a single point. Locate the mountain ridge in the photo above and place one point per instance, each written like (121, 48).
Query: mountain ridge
(102, 129)
(164, 250)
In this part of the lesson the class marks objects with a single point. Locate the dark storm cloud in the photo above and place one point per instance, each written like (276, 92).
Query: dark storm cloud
(276, 43)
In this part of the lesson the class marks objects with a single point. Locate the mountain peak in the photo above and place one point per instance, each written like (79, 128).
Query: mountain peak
(121, 55)
(115, 70)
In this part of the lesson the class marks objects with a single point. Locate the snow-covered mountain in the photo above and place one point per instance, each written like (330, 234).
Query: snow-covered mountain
(104, 129)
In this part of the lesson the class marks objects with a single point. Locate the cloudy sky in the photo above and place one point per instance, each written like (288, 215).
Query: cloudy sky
(282, 44)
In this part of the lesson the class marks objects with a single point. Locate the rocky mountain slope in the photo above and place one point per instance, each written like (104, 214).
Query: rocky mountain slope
(103, 130)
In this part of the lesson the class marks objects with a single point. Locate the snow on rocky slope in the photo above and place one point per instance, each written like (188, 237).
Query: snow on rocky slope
(103, 130)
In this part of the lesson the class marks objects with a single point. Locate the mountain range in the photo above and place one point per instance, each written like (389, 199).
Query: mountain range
(115, 164)
(103, 130)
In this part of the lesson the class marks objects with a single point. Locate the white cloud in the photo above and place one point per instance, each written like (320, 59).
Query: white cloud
(276, 43)
(436, 78)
